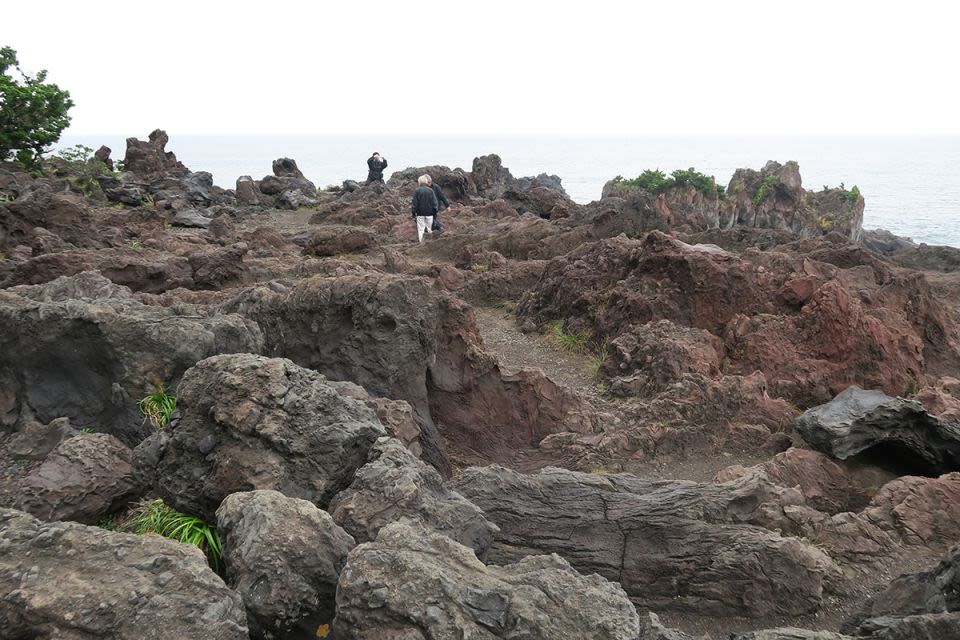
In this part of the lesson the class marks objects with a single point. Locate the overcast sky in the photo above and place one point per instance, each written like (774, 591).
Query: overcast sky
(483, 67)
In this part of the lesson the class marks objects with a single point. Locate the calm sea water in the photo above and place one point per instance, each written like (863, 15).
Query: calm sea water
(911, 184)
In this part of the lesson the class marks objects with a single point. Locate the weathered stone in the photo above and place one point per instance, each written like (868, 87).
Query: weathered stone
(414, 583)
(250, 422)
(190, 218)
(146, 158)
(283, 556)
(394, 486)
(83, 479)
(858, 420)
(84, 348)
(905, 603)
(67, 580)
(672, 545)
(332, 240)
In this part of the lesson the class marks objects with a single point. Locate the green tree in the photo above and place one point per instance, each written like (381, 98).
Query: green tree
(33, 113)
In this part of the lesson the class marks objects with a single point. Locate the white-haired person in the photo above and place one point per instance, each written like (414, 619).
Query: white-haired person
(424, 206)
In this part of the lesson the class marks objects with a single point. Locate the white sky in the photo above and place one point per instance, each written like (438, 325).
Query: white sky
(497, 67)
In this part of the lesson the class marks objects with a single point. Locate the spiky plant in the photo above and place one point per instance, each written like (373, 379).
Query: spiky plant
(158, 406)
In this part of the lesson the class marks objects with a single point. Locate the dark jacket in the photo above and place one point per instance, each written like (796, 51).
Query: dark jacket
(441, 199)
(424, 202)
(376, 169)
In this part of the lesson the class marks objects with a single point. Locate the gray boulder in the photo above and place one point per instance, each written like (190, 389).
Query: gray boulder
(248, 193)
(84, 348)
(191, 218)
(83, 479)
(857, 420)
(71, 581)
(250, 422)
(672, 545)
(283, 556)
(395, 486)
(415, 583)
(198, 188)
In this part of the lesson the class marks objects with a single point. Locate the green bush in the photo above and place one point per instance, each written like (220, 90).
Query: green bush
(656, 181)
(33, 113)
(766, 188)
(851, 196)
(575, 341)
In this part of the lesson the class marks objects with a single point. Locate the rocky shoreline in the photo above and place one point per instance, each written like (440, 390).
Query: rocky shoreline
(372, 469)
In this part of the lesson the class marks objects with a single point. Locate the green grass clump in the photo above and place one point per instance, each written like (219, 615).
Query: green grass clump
(157, 518)
(656, 181)
(575, 341)
(158, 406)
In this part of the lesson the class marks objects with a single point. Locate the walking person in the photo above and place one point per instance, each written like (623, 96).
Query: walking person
(424, 206)
(376, 164)
(442, 204)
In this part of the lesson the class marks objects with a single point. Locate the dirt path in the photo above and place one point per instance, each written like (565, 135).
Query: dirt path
(517, 350)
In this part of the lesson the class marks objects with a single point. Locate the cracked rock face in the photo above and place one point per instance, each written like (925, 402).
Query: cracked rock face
(250, 422)
(413, 583)
(672, 545)
(396, 486)
(857, 420)
(71, 581)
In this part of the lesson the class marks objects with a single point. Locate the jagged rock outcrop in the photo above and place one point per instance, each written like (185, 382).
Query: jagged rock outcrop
(672, 545)
(84, 348)
(396, 416)
(67, 580)
(414, 583)
(858, 420)
(284, 557)
(394, 486)
(925, 604)
(250, 422)
(82, 479)
(288, 186)
(149, 157)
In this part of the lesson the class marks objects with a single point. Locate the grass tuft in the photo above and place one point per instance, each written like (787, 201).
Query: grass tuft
(158, 406)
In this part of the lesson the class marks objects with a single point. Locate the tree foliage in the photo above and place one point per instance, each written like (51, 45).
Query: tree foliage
(656, 181)
(33, 113)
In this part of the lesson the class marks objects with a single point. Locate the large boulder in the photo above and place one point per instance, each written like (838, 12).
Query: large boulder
(672, 545)
(373, 329)
(283, 556)
(858, 420)
(251, 422)
(415, 583)
(397, 487)
(83, 479)
(490, 178)
(84, 348)
(67, 580)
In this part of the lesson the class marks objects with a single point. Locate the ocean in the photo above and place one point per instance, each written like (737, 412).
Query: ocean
(911, 184)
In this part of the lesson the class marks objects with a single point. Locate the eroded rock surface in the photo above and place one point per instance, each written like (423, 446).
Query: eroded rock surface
(283, 556)
(251, 422)
(414, 583)
(394, 486)
(67, 580)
